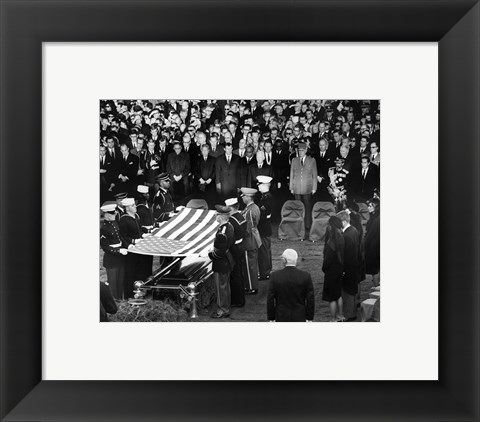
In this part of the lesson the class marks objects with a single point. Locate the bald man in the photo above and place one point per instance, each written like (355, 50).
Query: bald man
(290, 293)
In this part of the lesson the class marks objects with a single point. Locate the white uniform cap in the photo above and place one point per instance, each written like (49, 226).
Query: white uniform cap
(142, 189)
(108, 207)
(264, 179)
(127, 201)
(231, 201)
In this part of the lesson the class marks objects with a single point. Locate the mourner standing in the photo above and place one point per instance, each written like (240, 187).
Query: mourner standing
(114, 248)
(265, 227)
(222, 261)
(252, 240)
(238, 252)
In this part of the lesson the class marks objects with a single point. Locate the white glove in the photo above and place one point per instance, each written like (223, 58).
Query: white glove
(123, 251)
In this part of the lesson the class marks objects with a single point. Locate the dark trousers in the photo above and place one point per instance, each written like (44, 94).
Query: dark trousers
(237, 276)
(134, 268)
(307, 201)
(251, 265)
(116, 280)
(222, 284)
(265, 257)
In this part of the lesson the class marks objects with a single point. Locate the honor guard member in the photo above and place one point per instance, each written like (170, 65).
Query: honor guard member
(251, 241)
(238, 252)
(265, 227)
(131, 232)
(146, 223)
(222, 261)
(163, 204)
(119, 197)
(114, 248)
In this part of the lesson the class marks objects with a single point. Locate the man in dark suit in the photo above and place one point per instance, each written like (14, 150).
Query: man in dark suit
(244, 165)
(127, 171)
(108, 175)
(226, 173)
(325, 160)
(290, 292)
(281, 173)
(205, 175)
(365, 180)
(351, 266)
(178, 167)
(258, 169)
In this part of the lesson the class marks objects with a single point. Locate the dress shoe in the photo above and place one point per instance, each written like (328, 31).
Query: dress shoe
(251, 292)
(267, 277)
(237, 305)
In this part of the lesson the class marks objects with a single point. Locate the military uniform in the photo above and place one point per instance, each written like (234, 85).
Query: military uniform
(131, 231)
(251, 213)
(238, 251)
(113, 261)
(162, 206)
(222, 265)
(265, 229)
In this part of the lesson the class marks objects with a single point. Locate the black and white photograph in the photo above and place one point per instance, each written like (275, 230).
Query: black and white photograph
(239, 210)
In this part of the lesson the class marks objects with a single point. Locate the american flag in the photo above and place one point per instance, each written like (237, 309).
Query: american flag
(190, 232)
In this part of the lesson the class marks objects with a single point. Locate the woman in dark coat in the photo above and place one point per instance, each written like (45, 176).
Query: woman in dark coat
(372, 241)
(333, 268)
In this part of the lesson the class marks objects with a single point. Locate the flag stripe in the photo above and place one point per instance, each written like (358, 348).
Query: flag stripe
(193, 244)
(185, 226)
(206, 220)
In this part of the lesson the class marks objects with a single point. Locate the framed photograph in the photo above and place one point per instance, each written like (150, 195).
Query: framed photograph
(64, 62)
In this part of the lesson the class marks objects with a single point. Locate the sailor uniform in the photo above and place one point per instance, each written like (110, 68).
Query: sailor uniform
(162, 205)
(238, 274)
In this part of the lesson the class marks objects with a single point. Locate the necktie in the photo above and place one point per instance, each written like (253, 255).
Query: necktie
(323, 154)
(228, 159)
(364, 172)
(303, 161)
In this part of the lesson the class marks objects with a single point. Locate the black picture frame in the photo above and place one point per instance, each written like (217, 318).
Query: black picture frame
(454, 24)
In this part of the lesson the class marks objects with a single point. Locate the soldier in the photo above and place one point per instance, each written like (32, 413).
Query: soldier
(265, 227)
(114, 248)
(146, 223)
(222, 261)
(163, 204)
(131, 232)
(252, 240)
(238, 252)
(119, 197)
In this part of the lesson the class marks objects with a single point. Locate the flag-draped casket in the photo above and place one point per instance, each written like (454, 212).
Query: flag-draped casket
(190, 233)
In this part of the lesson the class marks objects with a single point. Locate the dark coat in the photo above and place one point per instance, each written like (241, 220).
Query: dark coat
(222, 261)
(130, 228)
(333, 267)
(205, 169)
(365, 186)
(226, 175)
(146, 217)
(154, 165)
(239, 225)
(290, 296)
(351, 265)
(255, 171)
(281, 167)
(110, 235)
(372, 244)
(178, 164)
(243, 170)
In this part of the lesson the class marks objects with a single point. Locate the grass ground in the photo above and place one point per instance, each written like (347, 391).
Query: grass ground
(310, 258)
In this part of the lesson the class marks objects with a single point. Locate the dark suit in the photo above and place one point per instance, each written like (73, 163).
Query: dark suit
(226, 176)
(238, 273)
(255, 171)
(365, 186)
(222, 264)
(205, 169)
(351, 268)
(323, 165)
(243, 170)
(179, 164)
(107, 178)
(281, 173)
(290, 296)
(128, 167)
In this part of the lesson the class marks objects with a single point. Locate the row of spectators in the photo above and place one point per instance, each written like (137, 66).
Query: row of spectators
(212, 148)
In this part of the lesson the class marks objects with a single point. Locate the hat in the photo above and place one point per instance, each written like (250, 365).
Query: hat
(302, 145)
(248, 191)
(264, 179)
(142, 189)
(222, 209)
(109, 206)
(121, 195)
(334, 221)
(231, 201)
(339, 160)
(127, 202)
(137, 108)
(163, 176)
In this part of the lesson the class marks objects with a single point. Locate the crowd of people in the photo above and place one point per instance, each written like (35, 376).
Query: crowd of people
(245, 159)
